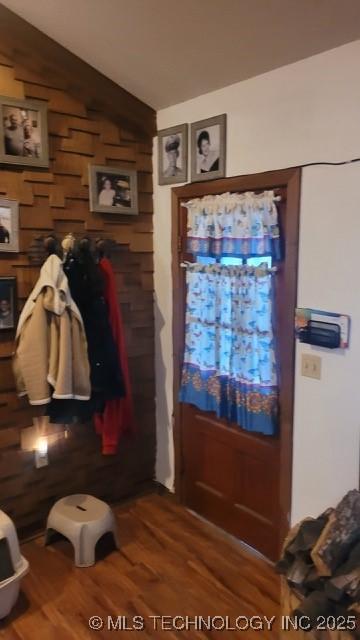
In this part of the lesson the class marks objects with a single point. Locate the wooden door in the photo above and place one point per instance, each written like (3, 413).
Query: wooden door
(239, 480)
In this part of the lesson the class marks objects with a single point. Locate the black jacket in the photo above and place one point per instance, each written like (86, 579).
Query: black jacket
(86, 286)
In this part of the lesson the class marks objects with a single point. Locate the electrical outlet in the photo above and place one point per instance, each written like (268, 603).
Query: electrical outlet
(41, 459)
(311, 366)
(41, 453)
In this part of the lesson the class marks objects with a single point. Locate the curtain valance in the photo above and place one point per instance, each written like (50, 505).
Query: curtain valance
(233, 224)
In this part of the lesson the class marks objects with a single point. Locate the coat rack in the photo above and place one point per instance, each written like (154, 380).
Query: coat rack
(44, 246)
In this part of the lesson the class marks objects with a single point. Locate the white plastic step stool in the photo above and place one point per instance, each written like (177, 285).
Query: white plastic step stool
(83, 520)
(16, 564)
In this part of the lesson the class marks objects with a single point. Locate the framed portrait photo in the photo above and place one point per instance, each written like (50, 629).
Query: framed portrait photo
(23, 132)
(172, 154)
(208, 148)
(9, 225)
(8, 307)
(113, 190)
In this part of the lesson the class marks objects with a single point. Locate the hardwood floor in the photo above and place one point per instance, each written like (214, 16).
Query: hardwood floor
(170, 564)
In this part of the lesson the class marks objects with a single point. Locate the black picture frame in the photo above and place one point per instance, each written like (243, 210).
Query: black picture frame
(9, 226)
(8, 311)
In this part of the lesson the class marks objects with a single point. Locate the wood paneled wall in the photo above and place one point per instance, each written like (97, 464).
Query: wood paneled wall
(56, 200)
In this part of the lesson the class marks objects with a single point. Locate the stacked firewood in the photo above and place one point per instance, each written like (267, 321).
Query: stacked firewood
(321, 564)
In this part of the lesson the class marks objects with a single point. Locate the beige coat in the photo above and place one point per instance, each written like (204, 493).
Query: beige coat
(50, 359)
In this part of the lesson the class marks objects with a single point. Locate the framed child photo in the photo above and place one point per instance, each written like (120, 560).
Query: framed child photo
(208, 148)
(113, 190)
(9, 225)
(23, 132)
(172, 154)
(8, 310)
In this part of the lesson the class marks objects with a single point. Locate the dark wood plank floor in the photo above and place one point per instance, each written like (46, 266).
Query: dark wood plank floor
(170, 564)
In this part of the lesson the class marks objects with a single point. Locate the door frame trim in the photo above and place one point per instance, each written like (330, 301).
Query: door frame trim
(290, 179)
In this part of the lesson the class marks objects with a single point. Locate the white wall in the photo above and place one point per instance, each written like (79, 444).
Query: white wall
(301, 113)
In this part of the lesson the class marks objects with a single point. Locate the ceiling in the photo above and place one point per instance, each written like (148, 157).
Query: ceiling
(167, 51)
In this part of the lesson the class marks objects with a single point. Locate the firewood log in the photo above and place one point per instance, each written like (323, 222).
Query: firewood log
(314, 582)
(297, 573)
(286, 559)
(338, 536)
(315, 605)
(345, 585)
(300, 540)
(308, 534)
(290, 601)
(346, 580)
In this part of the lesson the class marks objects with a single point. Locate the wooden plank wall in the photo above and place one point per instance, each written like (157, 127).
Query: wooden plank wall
(56, 200)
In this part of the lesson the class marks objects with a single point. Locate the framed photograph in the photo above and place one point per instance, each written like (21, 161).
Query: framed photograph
(208, 148)
(113, 190)
(23, 132)
(9, 225)
(8, 306)
(172, 154)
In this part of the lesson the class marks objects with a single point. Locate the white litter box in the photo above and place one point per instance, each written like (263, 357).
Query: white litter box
(12, 565)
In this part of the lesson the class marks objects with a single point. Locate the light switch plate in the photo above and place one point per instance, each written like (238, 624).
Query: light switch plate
(311, 366)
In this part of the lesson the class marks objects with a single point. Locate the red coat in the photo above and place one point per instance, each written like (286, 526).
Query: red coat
(118, 416)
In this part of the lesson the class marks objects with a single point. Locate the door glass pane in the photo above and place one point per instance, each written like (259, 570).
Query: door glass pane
(231, 260)
(256, 262)
(205, 260)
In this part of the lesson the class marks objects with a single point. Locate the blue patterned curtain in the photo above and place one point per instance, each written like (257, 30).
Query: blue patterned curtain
(233, 224)
(229, 361)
